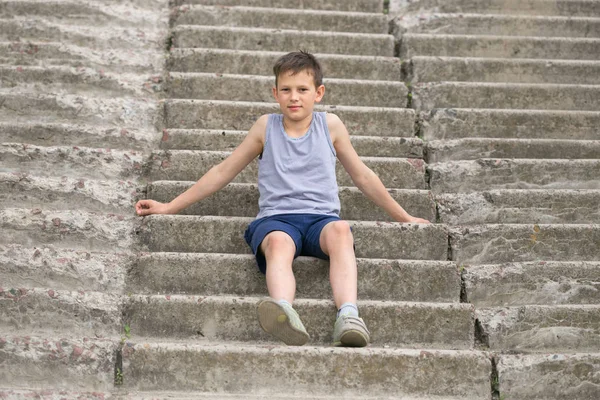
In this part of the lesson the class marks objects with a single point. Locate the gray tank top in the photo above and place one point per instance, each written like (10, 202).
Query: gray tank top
(297, 176)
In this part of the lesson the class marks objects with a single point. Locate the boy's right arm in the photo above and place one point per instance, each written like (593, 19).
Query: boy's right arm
(216, 178)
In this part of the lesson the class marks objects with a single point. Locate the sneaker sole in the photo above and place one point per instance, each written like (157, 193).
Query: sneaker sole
(273, 320)
(352, 338)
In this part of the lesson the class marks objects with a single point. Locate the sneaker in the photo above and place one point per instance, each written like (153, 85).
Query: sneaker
(282, 321)
(350, 331)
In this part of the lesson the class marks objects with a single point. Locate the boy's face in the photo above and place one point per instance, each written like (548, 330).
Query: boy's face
(297, 94)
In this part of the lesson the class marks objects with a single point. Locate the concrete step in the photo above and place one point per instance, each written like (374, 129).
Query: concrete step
(45, 311)
(514, 206)
(224, 61)
(492, 174)
(281, 18)
(62, 269)
(557, 328)
(181, 233)
(30, 191)
(73, 161)
(223, 318)
(531, 283)
(372, 6)
(452, 123)
(427, 96)
(277, 39)
(485, 244)
(241, 200)
(219, 86)
(574, 8)
(56, 394)
(81, 135)
(367, 121)
(76, 109)
(25, 53)
(423, 44)
(237, 275)
(470, 69)
(190, 165)
(54, 362)
(549, 376)
(76, 230)
(225, 140)
(505, 25)
(474, 148)
(152, 365)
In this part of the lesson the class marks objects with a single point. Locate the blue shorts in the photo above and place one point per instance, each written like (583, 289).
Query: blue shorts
(304, 229)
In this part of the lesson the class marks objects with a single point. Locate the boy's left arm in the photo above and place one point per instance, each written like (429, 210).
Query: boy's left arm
(362, 176)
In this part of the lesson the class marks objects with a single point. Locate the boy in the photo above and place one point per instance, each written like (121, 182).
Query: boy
(299, 204)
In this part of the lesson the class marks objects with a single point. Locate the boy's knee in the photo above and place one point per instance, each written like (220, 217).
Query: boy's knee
(276, 242)
(339, 229)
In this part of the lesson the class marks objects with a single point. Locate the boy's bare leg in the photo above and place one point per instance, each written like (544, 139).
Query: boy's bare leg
(279, 248)
(338, 243)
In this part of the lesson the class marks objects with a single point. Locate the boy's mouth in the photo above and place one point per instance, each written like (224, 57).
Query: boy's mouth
(294, 108)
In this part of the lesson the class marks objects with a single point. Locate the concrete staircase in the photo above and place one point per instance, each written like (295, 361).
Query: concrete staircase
(489, 126)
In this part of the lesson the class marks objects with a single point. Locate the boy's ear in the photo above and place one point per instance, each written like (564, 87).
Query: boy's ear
(320, 93)
(274, 89)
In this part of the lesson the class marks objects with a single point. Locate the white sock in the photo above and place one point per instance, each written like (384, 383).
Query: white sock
(349, 309)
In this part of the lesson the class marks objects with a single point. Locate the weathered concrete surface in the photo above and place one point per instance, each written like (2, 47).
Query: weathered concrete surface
(581, 8)
(519, 206)
(337, 5)
(515, 284)
(241, 200)
(226, 140)
(49, 394)
(46, 266)
(469, 176)
(191, 165)
(315, 370)
(57, 363)
(423, 44)
(560, 328)
(277, 39)
(367, 121)
(452, 123)
(45, 311)
(224, 61)
(474, 148)
(523, 96)
(498, 25)
(70, 229)
(236, 274)
(471, 69)
(551, 376)
(219, 86)
(280, 18)
(225, 235)
(485, 244)
(29, 191)
(224, 318)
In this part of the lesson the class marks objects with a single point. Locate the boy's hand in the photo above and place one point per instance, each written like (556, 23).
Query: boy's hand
(415, 220)
(147, 207)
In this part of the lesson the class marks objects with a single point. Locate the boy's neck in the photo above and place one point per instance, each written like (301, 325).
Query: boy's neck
(297, 128)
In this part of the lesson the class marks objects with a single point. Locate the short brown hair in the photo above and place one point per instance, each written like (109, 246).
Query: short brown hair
(298, 61)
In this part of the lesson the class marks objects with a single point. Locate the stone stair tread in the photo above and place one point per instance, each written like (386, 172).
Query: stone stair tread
(545, 206)
(225, 140)
(394, 172)
(252, 88)
(518, 70)
(453, 123)
(181, 233)
(533, 283)
(236, 115)
(237, 274)
(503, 173)
(281, 18)
(474, 148)
(276, 39)
(338, 5)
(261, 63)
(425, 44)
(427, 96)
(393, 323)
(149, 365)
